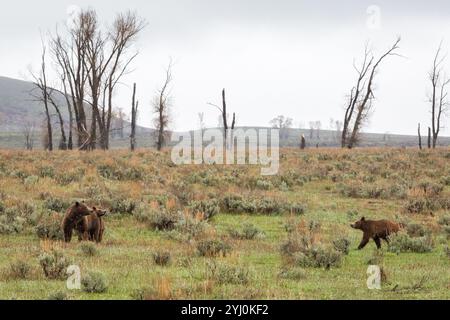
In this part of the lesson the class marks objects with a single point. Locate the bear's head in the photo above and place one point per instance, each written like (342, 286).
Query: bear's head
(80, 210)
(99, 212)
(359, 224)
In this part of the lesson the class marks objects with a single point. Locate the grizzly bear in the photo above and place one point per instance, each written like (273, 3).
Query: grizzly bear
(73, 215)
(92, 227)
(375, 230)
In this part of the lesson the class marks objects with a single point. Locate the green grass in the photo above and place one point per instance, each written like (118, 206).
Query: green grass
(125, 255)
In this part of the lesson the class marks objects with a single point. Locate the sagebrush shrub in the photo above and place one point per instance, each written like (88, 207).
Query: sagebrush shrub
(228, 274)
(213, 248)
(294, 273)
(49, 226)
(58, 295)
(122, 205)
(342, 245)
(416, 230)
(19, 270)
(248, 232)
(161, 258)
(402, 242)
(54, 264)
(11, 221)
(208, 208)
(89, 249)
(55, 204)
(94, 282)
(318, 256)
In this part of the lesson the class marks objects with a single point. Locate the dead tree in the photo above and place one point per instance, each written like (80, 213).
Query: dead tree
(438, 99)
(303, 142)
(161, 107)
(429, 138)
(28, 134)
(224, 115)
(361, 96)
(95, 60)
(40, 82)
(420, 137)
(134, 111)
(63, 140)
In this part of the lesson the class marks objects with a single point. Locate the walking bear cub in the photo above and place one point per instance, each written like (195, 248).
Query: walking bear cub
(73, 215)
(375, 230)
(91, 227)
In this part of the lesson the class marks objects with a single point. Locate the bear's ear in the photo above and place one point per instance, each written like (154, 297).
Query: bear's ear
(363, 219)
(94, 208)
(77, 204)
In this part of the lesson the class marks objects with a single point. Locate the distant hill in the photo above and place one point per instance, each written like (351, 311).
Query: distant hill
(18, 108)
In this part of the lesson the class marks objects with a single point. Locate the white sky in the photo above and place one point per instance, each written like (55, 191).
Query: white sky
(285, 57)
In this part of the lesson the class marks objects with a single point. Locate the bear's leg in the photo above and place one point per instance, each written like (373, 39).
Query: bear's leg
(97, 235)
(364, 241)
(378, 242)
(100, 235)
(67, 234)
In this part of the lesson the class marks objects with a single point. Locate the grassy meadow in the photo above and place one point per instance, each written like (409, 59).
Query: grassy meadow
(226, 232)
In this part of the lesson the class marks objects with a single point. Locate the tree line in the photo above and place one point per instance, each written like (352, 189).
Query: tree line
(90, 61)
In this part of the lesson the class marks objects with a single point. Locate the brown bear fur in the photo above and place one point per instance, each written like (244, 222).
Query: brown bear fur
(73, 215)
(91, 227)
(375, 230)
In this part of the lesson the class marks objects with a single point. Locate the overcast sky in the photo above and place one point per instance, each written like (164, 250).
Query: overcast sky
(290, 57)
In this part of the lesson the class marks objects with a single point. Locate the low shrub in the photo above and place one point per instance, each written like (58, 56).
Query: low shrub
(228, 274)
(402, 242)
(161, 258)
(416, 230)
(318, 257)
(207, 209)
(55, 204)
(122, 205)
(342, 245)
(19, 270)
(294, 273)
(247, 232)
(11, 221)
(49, 226)
(54, 265)
(89, 249)
(94, 282)
(213, 248)
(58, 295)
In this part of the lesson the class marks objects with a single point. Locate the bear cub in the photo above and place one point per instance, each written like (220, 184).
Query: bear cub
(375, 230)
(92, 227)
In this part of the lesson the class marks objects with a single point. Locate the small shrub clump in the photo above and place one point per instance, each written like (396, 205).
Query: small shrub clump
(94, 282)
(11, 221)
(293, 274)
(213, 248)
(89, 249)
(49, 226)
(342, 245)
(161, 258)
(402, 242)
(247, 232)
(54, 265)
(19, 270)
(207, 209)
(58, 295)
(228, 274)
(318, 256)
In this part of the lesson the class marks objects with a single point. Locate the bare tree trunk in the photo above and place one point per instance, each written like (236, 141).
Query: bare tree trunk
(134, 109)
(303, 142)
(420, 137)
(429, 138)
